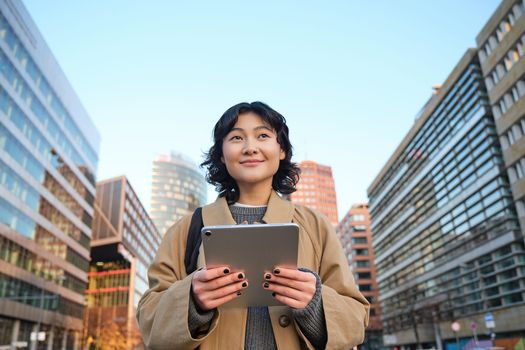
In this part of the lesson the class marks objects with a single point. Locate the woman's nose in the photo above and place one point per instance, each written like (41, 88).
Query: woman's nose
(250, 148)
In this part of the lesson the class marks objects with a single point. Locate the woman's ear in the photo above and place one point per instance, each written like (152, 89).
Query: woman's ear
(282, 155)
(222, 160)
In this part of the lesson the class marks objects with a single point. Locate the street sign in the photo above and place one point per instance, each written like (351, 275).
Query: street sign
(473, 326)
(456, 327)
(40, 336)
(489, 321)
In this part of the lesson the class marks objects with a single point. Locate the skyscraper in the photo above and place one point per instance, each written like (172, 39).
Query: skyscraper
(316, 189)
(178, 188)
(48, 161)
(447, 240)
(124, 244)
(501, 45)
(356, 238)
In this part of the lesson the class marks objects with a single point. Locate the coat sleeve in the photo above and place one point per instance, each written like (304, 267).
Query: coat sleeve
(162, 312)
(346, 309)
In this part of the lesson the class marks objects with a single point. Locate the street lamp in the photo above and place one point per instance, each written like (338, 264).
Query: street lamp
(456, 327)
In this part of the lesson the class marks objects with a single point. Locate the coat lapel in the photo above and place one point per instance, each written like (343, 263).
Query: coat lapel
(217, 213)
(279, 210)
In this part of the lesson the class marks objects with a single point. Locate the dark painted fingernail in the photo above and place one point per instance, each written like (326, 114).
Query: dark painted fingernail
(226, 270)
(241, 276)
(268, 276)
(273, 294)
(239, 293)
(244, 284)
(276, 271)
(266, 284)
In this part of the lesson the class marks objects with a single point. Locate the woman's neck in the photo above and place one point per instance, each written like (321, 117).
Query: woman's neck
(254, 196)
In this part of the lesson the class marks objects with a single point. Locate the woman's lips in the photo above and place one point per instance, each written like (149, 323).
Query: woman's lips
(251, 163)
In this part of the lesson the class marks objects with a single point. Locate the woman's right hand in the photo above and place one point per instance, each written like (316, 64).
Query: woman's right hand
(213, 287)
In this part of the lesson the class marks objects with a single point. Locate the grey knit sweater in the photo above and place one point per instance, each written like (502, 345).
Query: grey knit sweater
(259, 333)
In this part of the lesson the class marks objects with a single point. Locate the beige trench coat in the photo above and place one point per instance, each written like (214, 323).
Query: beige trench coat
(163, 310)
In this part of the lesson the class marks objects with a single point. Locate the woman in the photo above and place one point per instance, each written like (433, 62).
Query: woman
(250, 163)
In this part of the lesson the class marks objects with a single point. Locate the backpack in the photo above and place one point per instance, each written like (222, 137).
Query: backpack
(193, 241)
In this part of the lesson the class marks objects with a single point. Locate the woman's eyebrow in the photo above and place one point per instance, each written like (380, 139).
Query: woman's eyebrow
(236, 129)
(263, 127)
(257, 128)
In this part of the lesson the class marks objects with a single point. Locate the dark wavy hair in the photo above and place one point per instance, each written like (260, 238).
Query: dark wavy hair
(286, 177)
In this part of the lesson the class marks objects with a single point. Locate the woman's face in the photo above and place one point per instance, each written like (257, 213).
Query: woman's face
(251, 152)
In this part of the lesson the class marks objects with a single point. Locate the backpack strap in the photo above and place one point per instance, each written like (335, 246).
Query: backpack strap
(193, 241)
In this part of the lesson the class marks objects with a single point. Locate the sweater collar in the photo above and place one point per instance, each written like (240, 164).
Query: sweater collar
(218, 213)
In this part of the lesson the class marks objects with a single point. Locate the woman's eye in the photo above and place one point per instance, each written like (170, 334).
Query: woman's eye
(235, 138)
(264, 136)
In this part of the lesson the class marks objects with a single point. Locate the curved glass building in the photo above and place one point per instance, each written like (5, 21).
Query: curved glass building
(178, 188)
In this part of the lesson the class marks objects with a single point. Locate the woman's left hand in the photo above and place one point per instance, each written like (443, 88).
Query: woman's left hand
(291, 287)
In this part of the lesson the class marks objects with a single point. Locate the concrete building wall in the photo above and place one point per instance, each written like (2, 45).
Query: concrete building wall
(356, 238)
(501, 47)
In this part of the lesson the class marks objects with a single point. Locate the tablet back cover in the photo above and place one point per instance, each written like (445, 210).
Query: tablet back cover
(254, 250)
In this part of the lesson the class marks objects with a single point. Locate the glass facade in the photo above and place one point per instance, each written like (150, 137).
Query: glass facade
(178, 188)
(124, 244)
(444, 223)
(48, 161)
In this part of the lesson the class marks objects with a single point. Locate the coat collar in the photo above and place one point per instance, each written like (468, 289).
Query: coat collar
(218, 213)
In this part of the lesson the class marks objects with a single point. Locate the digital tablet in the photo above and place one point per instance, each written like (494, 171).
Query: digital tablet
(254, 250)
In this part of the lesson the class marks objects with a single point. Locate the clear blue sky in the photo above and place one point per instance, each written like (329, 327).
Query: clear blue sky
(349, 76)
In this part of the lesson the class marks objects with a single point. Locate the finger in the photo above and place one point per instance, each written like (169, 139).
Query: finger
(226, 290)
(292, 274)
(210, 274)
(218, 302)
(287, 292)
(309, 285)
(289, 301)
(290, 283)
(222, 281)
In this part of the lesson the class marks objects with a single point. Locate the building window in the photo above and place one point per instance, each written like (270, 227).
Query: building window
(360, 252)
(365, 287)
(359, 240)
(364, 276)
(361, 263)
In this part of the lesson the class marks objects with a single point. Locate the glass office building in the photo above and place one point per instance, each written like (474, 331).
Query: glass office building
(445, 230)
(48, 162)
(124, 243)
(177, 189)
